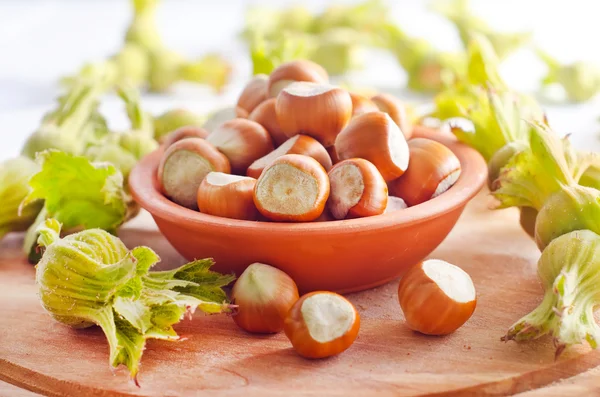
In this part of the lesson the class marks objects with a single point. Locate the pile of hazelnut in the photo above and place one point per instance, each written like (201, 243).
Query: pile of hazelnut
(296, 148)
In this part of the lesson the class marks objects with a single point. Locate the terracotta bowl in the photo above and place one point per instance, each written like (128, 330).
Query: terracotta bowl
(343, 256)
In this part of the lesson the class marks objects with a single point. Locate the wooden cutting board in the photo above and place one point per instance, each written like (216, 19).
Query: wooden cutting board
(388, 359)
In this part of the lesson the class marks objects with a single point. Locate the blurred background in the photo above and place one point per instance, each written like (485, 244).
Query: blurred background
(42, 41)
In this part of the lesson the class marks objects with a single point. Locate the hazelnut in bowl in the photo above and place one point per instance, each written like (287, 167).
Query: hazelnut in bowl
(341, 197)
(336, 255)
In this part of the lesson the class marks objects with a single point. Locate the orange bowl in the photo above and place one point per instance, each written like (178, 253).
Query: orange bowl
(342, 256)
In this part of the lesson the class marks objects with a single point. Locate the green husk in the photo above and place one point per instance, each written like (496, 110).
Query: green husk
(544, 177)
(145, 62)
(458, 12)
(173, 119)
(428, 69)
(580, 80)
(14, 187)
(143, 31)
(533, 175)
(498, 119)
(591, 176)
(501, 158)
(141, 121)
(334, 39)
(91, 278)
(212, 70)
(74, 123)
(569, 270)
(571, 208)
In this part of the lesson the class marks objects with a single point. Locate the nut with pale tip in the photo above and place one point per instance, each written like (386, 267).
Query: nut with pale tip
(183, 133)
(396, 109)
(183, 167)
(436, 297)
(322, 324)
(254, 93)
(357, 190)
(433, 170)
(290, 72)
(227, 196)
(293, 188)
(264, 114)
(318, 110)
(243, 141)
(299, 144)
(375, 137)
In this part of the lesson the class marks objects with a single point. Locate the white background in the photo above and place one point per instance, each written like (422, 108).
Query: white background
(42, 40)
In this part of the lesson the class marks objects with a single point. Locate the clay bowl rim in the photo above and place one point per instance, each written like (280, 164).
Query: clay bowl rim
(144, 188)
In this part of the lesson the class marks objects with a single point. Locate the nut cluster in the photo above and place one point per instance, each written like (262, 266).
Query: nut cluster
(300, 149)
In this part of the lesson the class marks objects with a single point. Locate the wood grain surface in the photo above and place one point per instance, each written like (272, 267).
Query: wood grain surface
(388, 359)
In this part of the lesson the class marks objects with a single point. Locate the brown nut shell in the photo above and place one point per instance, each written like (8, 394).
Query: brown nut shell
(333, 155)
(264, 114)
(396, 109)
(227, 196)
(362, 104)
(223, 115)
(183, 167)
(293, 188)
(264, 295)
(182, 133)
(318, 110)
(357, 190)
(375, 137)
(436, 297)
(433, 170)
(322, 324)
(299, 70)
(299, 144)
(254, 93)
(242, 141)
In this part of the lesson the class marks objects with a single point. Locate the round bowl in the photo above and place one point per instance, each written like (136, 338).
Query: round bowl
(342, 256)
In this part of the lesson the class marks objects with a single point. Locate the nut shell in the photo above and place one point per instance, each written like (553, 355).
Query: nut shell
(375, 137)
(318, 110)
(299, 70)
(396, 109)
(426, 306)
(362, 104)
(433, 170)
(299, 144)
(299, 332)
(293, 188)
(242, 141)
(254, 93)
(182, 133)
(264, 295)
(357, 190)
(184, 165)
(227, 196)
(264, 114)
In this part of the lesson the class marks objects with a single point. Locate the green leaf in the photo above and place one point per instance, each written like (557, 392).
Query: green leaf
(78, 193)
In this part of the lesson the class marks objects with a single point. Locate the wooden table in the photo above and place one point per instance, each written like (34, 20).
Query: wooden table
(387, 359)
